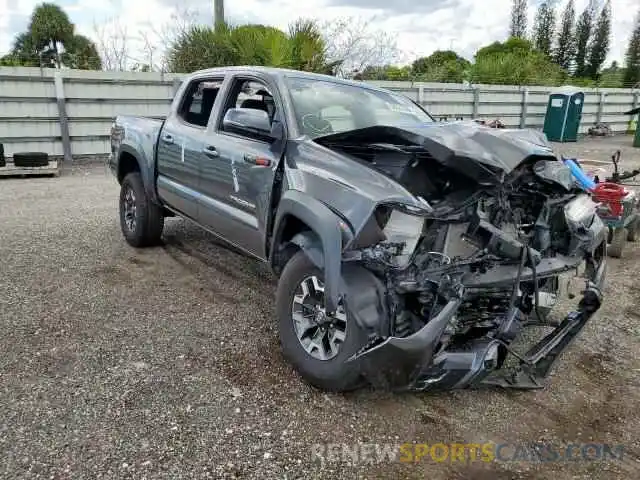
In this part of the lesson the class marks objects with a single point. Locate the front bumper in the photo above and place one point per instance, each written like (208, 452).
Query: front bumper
(416, 362)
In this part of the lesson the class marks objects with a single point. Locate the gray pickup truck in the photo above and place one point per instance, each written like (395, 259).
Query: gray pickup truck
(409, 253)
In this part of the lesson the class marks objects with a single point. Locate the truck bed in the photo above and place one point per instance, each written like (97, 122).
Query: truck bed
(140, 131)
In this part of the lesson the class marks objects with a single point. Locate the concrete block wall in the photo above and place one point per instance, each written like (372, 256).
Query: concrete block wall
(30, 116)
(30, 110)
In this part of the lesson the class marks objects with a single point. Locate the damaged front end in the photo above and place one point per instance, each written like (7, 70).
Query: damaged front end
(446, 285)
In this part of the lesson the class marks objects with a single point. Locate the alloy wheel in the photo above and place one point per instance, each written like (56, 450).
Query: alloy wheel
(320, 335)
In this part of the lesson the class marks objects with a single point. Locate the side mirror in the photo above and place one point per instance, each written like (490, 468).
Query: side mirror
(248, 120)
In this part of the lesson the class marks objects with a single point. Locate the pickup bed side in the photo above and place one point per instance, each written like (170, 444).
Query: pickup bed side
(134, 143)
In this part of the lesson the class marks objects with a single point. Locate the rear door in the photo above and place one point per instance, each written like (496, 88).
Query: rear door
(181, 143)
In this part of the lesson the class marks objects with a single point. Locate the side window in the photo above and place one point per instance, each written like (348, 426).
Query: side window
(198, 101)
(252, 94)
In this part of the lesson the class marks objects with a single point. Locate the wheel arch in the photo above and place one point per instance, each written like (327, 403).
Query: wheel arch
(304, 223)
(129, 161)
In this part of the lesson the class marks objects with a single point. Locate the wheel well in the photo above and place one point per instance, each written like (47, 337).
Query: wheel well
(127, 163)
(284, 249)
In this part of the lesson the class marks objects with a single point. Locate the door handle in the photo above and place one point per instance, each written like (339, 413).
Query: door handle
(210, 151)
(257, 160)
(167, 138)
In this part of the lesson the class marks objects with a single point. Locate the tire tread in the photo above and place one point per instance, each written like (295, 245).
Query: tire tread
(150, 219)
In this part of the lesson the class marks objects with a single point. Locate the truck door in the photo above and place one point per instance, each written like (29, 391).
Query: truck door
(181, 143)
(238, 209)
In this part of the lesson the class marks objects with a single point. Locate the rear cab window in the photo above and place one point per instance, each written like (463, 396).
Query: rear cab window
(198, 101)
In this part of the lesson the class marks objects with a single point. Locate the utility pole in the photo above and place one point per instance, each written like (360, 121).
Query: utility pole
(218, 12)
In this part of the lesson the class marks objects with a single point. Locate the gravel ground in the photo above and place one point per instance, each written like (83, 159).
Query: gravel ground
(164, 363)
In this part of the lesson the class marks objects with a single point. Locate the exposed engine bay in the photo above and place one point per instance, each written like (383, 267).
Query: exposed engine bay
(462, 275)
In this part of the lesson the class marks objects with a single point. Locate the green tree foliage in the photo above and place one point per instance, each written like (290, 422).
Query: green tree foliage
(50, 29)
(600, 43)
(308, 48)
(632, 57)
(514, 62)
(81, 53)
(385, 72)
(23, 52)
(612, 76)
(584, 29)
(544, 27)
(518, 27)
(513, 45)
(50, 41)
(301, 48)
(441, 66)
(566, 47)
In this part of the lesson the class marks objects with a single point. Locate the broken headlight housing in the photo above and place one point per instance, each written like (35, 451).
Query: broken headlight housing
(403, 228)
(580, 212)
(391, 233)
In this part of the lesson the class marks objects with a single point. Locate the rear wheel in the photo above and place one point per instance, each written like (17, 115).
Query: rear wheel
(317, 345)
(141, 220)
(618, 239)
(632, 230)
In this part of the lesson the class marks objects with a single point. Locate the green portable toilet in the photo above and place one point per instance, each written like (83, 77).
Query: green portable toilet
(636, 138)
(564, 113)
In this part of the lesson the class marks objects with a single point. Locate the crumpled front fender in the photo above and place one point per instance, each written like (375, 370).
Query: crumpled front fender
(323, 244)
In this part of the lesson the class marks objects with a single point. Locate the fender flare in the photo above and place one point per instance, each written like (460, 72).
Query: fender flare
(323, 246)
(148, 175)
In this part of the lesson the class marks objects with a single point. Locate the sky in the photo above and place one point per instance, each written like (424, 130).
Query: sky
(419, 26)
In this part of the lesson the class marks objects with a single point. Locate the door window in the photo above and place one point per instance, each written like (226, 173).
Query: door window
(198, 101)
(247, 93)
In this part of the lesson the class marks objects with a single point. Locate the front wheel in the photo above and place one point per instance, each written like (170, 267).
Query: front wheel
(317, 345)
(141, 220)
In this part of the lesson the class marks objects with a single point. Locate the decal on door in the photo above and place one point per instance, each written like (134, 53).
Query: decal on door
(234, 174)
(242, 202)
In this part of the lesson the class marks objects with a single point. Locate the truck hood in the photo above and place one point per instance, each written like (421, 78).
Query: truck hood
(483, 153)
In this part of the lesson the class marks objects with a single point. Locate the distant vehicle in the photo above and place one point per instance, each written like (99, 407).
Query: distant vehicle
(409, 253)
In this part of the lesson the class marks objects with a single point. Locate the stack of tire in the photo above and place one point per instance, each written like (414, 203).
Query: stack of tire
(3, 162)
(31, 159)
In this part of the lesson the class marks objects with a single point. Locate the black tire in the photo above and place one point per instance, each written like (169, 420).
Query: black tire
(31, 159)
(148, 223)
(617, 243)
(632, 230)
(335, 374)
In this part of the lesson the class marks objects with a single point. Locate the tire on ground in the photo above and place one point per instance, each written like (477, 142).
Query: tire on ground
(31, 159)
(149, 216)
(619, 238)
(632, 230)
(334, 374)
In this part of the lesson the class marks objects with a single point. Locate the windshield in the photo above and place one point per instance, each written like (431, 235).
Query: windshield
(323, 107)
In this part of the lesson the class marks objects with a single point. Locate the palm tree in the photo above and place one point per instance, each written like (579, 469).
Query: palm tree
(301, 48)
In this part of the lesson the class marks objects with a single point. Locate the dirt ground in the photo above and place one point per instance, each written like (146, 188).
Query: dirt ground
(164, 363)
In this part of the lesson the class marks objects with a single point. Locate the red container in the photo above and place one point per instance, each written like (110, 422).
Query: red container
(610, 195)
